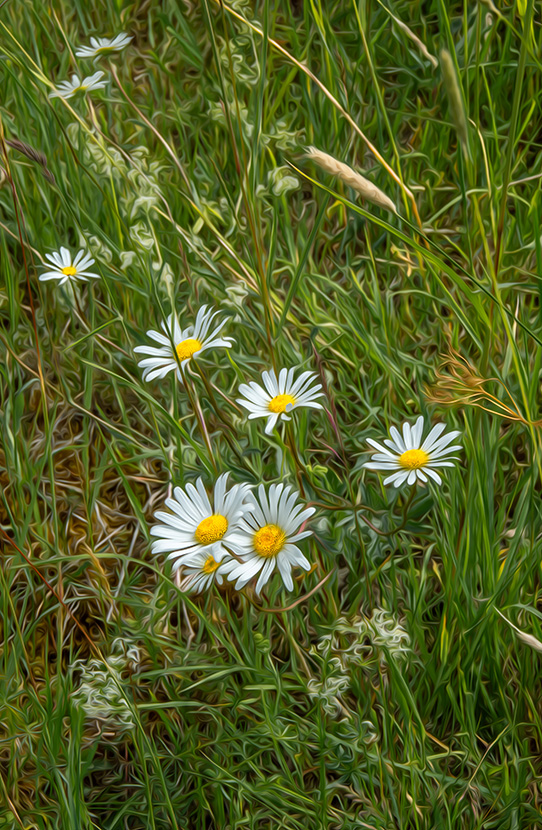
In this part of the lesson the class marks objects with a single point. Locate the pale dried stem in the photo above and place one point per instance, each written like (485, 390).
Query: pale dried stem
(459, 384)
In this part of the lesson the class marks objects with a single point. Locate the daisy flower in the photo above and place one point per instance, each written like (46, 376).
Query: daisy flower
(407, 459)
(102, 45)
(67, 89)
(64, 267)
(267, 537)
(281, 395)
(197, 527)
(200, 570)
(188, 343)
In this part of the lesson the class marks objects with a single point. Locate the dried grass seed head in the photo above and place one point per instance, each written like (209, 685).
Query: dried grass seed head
(366, 189)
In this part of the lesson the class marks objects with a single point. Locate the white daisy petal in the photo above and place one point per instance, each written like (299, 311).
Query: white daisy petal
(151, 351)
(270, 383)
(444, 452)
(385, 459)
(432, 437)
(382, 465)
(272, 420)
(283, 376)
(264, 576)
(244, 573)
(305, 380)
(159, 338)
(51, 275)
(296, 557)
(396, 436)
(434, 475)
(218, 342)
(286, 573)
(160, 372)
(392, 445)
(397, 478)
(379, 447)
(83, 261)
(437, 446)
(417, 432)
(308, 404)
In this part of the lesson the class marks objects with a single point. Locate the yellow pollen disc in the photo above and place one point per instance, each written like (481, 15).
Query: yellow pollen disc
(279, 404)
(413, 459)
(210, 565)
(186, 348)
(69, 271)
(269, 540)
(211, 529)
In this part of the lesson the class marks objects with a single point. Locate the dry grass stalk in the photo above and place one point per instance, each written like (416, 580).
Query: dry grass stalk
(33, 155)
(528, 639)
(415, 39)
(459, 384)
(366, 189)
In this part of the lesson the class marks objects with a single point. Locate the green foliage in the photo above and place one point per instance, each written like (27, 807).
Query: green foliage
(127, 704)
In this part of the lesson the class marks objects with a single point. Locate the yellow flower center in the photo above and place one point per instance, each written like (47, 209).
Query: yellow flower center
(210, 565)
(279, 404)
(186, 348)
(269, 540)
(211, 529)
(69, 271)
(413, 459)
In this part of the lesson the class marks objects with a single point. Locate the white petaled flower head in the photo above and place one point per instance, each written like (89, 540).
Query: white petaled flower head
(200, 570)
(65, 267)
(103, 45)
(408, 459)
(195, 527)
(267, 538)
(67, 89)
(280, 395)
(178, 346)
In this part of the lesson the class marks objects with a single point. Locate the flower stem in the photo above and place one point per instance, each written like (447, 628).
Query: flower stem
(290, 443)
(196, 408)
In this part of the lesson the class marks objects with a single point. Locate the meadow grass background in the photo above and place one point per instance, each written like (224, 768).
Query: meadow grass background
(178, 178)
